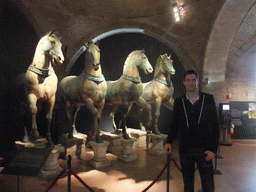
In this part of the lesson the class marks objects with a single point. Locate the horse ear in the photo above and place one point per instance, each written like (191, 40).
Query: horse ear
(143, 51)
(86, 45)
(162, 56)
(51, 32)
(55, 33)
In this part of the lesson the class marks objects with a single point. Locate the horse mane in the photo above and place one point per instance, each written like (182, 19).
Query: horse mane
(158, 63)
(134, 54)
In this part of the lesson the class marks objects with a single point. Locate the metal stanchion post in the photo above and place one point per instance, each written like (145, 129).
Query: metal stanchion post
(69, 174)
(217, 156)
(168, 172)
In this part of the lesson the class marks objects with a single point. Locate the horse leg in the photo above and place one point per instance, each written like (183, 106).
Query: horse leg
(77, 108)
(157, 114)
(96, 133)
(67, 108)
(142, 128)
(49, 109)
(100, 109)
(145, 105)
(123, 124)
(32, 100)
(112, 116)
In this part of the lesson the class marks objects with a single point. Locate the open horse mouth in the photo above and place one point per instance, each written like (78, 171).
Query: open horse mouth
(96, 66)
(147, 71)
(57, 61)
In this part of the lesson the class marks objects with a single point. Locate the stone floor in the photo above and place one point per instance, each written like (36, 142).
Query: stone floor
(238, 170)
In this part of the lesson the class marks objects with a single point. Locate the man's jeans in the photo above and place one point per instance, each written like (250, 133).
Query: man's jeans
(205, 168)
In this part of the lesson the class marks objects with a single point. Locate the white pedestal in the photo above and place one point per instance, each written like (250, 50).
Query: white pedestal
(99, 160)
(114, 140)
(157, 144)
(70, 144)
(127, 154)
(51, 167)
(140, 136)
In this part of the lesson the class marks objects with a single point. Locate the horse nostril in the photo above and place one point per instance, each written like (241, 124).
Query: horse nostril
(59, 58)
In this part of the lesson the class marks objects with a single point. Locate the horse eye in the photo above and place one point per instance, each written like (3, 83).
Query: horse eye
(53, 42)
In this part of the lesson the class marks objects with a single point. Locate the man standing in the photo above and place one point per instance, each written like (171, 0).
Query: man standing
(195, 119)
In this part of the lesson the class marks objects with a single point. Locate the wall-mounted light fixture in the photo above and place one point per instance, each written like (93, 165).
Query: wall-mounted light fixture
(176, 12)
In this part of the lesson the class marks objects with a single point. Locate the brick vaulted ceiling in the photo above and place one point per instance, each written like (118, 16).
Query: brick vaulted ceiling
(211, 35)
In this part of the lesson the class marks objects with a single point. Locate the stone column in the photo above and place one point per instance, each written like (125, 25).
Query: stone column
(127, 154)
(99, 160)
(157, 144)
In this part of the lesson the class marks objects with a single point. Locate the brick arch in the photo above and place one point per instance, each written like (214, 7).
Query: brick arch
(125, 27)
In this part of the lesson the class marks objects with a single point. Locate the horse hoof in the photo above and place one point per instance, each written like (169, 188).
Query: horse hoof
(34, 134)
(126, 136)
(99, 140)
(70, 136)
(157, 132)
(50, 145)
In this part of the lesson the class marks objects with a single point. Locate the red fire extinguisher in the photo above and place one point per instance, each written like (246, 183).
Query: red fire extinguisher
(231, 129)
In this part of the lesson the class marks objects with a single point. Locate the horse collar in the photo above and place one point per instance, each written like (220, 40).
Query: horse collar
(40, 71)
(133, 79)
(95, 78)
(167, 83)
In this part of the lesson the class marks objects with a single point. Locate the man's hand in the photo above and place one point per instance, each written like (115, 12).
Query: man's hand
(209, 155)
(168, 148)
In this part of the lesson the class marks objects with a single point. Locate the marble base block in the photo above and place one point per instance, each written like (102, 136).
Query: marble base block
(157, 144)
(51, 167)
(140, 136)
(69, 144)
(127, 154)
(114, 140)
(100, 159)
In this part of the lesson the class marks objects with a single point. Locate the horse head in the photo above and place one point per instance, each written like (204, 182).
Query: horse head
(52, 46)
(93, 54)
(142, 62)
(166, 64)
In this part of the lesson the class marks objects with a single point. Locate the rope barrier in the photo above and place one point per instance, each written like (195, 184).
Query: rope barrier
(158, 176)
(91, 190)
(81, 181)
(168, 162)
(55, 181)
(69, 177)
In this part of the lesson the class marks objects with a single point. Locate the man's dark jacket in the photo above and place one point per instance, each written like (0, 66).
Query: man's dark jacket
(185, 121)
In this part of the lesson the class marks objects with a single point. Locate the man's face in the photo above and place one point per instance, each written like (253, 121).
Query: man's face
(191, 83)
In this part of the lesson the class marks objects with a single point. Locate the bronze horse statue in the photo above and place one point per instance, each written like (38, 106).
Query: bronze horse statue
(160, 89)
(128, 88)
(40, 80)
(89, 88)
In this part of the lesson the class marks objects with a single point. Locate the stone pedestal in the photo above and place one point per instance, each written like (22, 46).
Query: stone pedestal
(157, 144)
(51, 167)
(127, 154)
(114, 140)
(39, 143)
(78, 140)
(99, 160)
(140, 136)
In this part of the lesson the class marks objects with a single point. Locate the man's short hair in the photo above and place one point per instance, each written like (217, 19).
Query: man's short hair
(189, 72)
